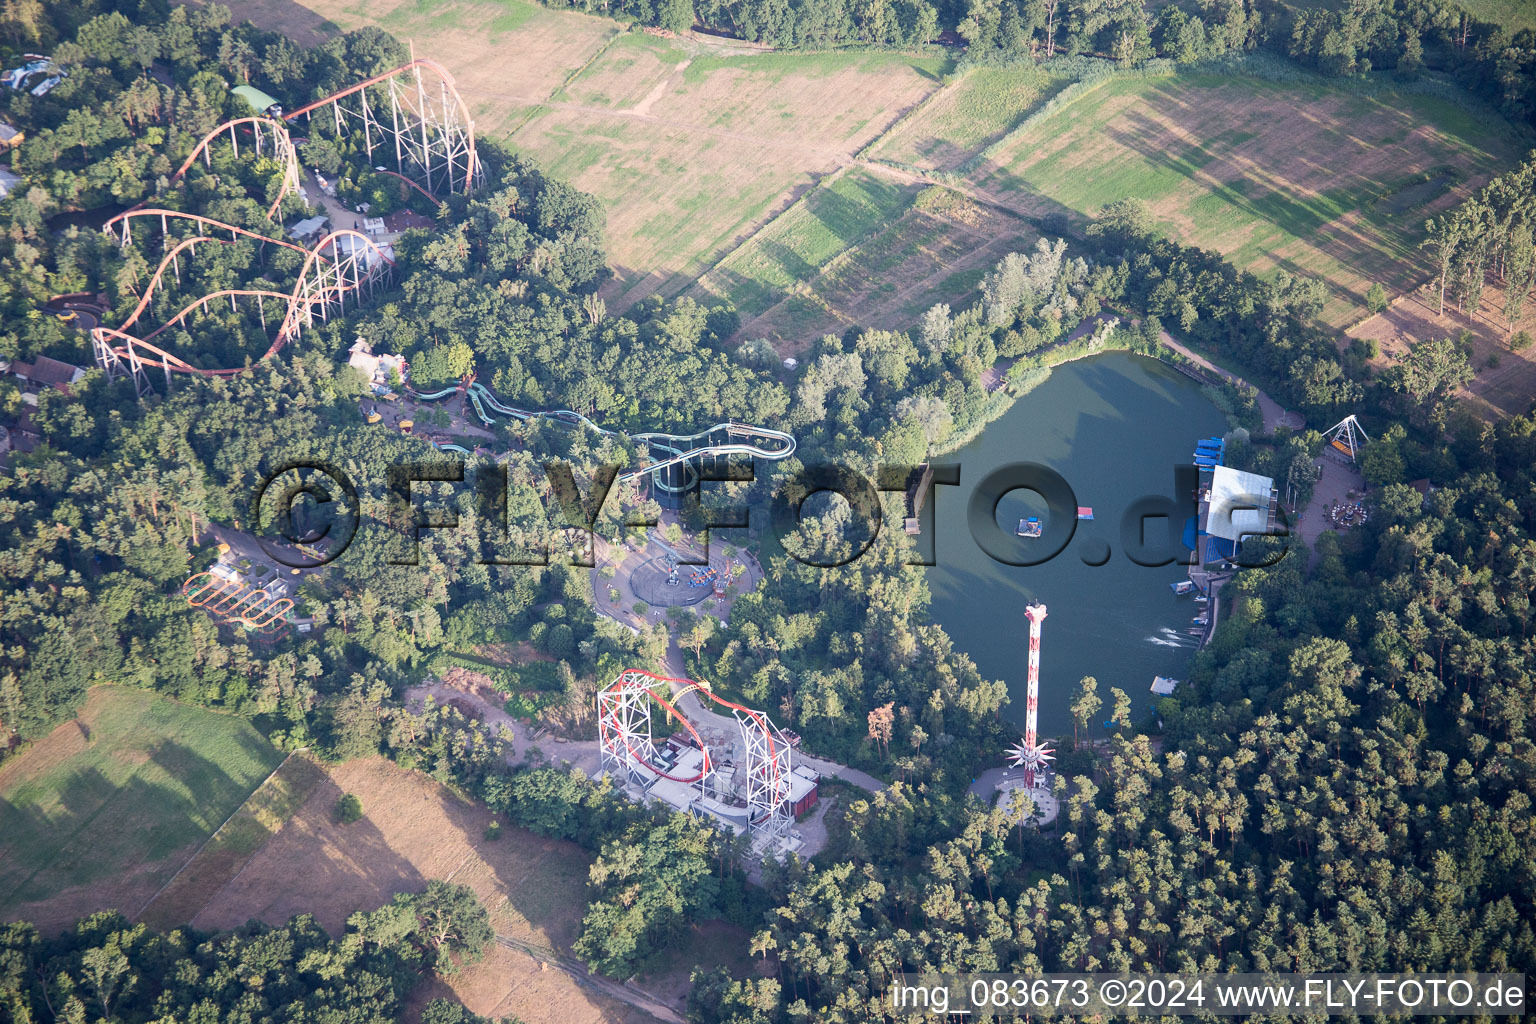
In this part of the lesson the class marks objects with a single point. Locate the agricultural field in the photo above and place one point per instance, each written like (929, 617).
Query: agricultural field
(936, 250)
(472, 38)
(715, 159)
(969, 114)
(102, 812)
(693, 149)
(798, 243)
(414, 830)
(1294, 177)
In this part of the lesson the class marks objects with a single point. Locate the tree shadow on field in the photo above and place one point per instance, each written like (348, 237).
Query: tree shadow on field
(88, 827)
(314, 864)
(300, 24)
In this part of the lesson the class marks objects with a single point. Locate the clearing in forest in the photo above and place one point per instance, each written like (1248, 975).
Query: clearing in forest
(413, 830)
(1505, 380)
(101, 812)
(1276, 176)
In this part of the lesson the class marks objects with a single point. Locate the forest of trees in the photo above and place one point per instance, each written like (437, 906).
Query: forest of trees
(110, 969)
(1490, 237)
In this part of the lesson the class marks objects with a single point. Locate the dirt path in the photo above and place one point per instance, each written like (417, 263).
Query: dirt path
(585, 978)
(1274, 414)
(582, 754)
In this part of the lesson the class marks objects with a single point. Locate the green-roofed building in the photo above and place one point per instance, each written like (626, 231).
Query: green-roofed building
(260, 102)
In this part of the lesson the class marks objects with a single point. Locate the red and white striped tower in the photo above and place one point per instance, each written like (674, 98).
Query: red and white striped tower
(1029, 755)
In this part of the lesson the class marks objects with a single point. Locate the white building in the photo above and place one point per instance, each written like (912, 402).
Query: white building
(376, 369)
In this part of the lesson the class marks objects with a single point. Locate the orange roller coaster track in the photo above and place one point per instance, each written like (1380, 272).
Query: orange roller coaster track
(431, 134)
(624, 735)
(433, 137)
(344, 263)
(236, 603)
(122, 224)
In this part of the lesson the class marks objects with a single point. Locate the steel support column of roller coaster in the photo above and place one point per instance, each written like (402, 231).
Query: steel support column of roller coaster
(430, 130)
(624, 734)
(343, 263)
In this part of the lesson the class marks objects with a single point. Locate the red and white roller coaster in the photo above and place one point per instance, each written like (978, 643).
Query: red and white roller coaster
(433, 139)
(762, 777)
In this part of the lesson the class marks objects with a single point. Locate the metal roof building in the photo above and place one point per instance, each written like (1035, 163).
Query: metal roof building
(259, 101)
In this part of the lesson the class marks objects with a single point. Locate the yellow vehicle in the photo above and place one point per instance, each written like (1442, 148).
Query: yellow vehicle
(65, 315)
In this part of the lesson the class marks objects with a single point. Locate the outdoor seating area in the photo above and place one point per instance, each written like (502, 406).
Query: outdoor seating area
(1346, 514)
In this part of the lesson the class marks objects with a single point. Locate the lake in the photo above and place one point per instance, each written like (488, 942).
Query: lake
(1114, 426)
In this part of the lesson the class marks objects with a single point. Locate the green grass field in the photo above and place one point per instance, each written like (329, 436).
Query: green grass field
(1514, 15)
(798, 243)
(959, 122)
(1295, 177)
(135, 779)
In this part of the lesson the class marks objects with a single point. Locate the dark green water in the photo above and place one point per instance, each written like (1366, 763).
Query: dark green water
(1114, 426)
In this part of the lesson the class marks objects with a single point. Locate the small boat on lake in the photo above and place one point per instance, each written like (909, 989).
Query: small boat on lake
(1182, 587)
(1030, 527)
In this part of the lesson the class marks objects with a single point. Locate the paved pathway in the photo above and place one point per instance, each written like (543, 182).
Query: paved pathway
(1334, 486)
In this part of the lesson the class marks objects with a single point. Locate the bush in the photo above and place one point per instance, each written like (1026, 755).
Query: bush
(1519, 341)
(349, 809)
(493, 830)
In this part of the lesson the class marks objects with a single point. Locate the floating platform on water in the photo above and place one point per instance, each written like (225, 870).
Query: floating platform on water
(1030, 527)
(1182, 587)
(1084, 512)
(1163, 686)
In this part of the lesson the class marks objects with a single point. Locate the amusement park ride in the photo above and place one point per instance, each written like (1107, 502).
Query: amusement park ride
(229, 600)
(433, 140)
(674, 462)
(752, 793)
(1030, 755)
(432, 137)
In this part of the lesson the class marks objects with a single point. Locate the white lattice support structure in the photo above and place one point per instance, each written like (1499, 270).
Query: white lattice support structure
(116, 365)
(767, 771)
(624, 729)
(269, 136)
(428, 128)
(1348, 436)
(1030, 755)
